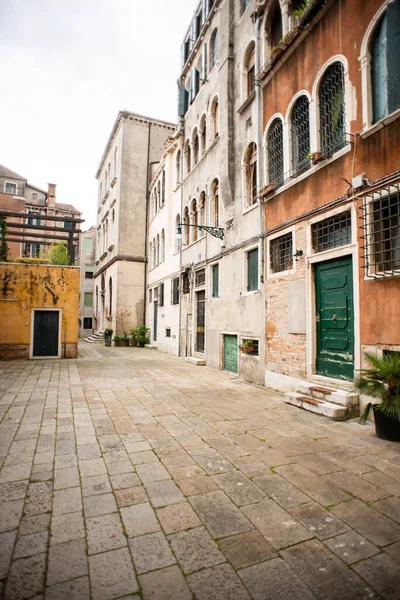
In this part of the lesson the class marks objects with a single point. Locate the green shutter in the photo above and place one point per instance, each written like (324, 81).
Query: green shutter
(380, 72)
(393, 54)
(215, 281)
(252, 270)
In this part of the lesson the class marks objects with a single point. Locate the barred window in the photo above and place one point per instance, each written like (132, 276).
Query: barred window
(332, 232)
(175, 290)
(275, 153)
(381, 216)
(300, 129)
(200, 277)
(332, 110)
(281, 253)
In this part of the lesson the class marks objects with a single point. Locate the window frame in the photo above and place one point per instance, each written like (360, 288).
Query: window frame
(246, 284)
(6, 183)
(215, 289)
(86, 295)
(270, 273)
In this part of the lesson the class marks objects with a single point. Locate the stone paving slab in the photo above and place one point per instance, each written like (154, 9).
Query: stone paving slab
(134, 474)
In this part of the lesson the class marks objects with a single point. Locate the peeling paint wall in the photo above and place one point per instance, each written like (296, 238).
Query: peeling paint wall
(24, 288)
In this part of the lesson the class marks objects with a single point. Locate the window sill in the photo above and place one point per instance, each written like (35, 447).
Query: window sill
(247, 102)
(308, 173)
(252, 293)
(381, 124)
(250, 208)
(272, 276)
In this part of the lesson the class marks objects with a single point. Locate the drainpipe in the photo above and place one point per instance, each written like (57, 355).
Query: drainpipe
(147, 224)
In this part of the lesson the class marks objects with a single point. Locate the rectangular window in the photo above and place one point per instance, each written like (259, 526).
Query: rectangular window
(175, 290)
(10, 188)
(32, 221)
(249, 346)
(150, 295)
(89, 272)
(332, 232)
(161, 294)
(215, 281)
(200, 277)
(87, 323)
(281, 253)
(185, 283)
(88, 244)
(252, 270)
(381, 215)
(67, 225)
(88, 299)
(168, 332)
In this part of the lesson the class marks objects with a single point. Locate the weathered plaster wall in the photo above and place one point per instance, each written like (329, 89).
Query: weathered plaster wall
(26, 287)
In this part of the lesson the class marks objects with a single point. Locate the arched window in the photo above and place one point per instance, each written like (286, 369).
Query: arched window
(250, 175)
(100, 192)
(177, 240)
(178, 166)
(110, 296)
(215, 216)
(163, 187)
(249, 73)
(195, 145)
(155, 200)
(203, 208)
(214, 49)
(385, 64)
(215, 118)
(273, 28)
(154, 253)
(187, 157)
(162, 253)
(275, 153)
(244, 4)
(300, 136)
(151, 264)
(332, 123)
(203, 134)
(195, 220)
(158, 249)
(186, 221)
(159, 193)
(115, 161)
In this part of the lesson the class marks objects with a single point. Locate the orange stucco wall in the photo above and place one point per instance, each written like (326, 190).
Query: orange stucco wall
(340, 31)
(25, 287)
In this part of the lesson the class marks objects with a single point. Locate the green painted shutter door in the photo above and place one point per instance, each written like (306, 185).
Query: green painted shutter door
(380, 73)
(393, 54)
(252, 270)
(215, 281)
(230, 353)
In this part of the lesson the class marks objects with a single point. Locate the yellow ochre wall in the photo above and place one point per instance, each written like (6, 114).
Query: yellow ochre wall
(24, 287)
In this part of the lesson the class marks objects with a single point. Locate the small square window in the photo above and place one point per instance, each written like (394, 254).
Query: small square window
(87, 323)
(11, 188)
(168, 332)
(88, 299)
(201, 277)
(281, 253)
(89, 272)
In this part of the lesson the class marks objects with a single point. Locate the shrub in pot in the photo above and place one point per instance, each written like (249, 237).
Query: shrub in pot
(107, 336)
(117, 340)
(142, 336)
(382, 382)
(133, 333)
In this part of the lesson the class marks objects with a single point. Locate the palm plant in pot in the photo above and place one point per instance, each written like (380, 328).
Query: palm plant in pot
(382, 382)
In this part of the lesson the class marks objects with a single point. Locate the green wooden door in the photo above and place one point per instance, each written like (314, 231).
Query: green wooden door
(335, 318)
(230, 353)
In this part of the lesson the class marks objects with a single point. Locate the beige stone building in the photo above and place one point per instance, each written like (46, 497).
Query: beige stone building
(87, 252)
(132, 153)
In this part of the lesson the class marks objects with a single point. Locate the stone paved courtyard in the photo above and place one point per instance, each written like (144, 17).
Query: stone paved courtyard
(130, 473)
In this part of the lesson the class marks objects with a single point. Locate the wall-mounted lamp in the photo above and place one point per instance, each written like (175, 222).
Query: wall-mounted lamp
(217, 232)
(297, 255)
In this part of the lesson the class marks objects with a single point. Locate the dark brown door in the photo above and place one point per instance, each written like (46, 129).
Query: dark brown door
(45, 333)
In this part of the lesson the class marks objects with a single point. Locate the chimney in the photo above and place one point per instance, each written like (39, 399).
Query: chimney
(51, 195)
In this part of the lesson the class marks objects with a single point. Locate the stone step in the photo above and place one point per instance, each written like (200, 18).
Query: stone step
(194, 360)
(321, 407)
(335, 396)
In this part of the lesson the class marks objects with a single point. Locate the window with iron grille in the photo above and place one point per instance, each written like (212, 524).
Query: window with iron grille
(200, 277)
(175, 290)
(332, 110)
(281, 253)
(381, 226)
(332, 232)
(275, 153)
(300, 129)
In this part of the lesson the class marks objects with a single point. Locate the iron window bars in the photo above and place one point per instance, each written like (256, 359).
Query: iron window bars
(332, 232)
(300, 129)
(275, 153)
(281, 253)
(381, 232)
(332, 119)
(200, 277)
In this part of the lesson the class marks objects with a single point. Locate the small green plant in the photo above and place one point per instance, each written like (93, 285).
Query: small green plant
(117, 338)
(382, 382)
(4, 249)
(57, 254)
(108, 331)
(297, 13)
(142, 335)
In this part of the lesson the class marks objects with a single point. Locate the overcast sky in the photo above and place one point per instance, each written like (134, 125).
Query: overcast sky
(67, 68)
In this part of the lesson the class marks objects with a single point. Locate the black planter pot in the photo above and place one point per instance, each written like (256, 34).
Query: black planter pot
(386, 428)
(107, 340)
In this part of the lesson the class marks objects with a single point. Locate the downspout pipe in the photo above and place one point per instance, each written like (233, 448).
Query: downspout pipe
(146, 230)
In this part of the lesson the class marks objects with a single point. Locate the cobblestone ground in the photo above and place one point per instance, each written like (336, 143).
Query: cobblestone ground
(129, 473)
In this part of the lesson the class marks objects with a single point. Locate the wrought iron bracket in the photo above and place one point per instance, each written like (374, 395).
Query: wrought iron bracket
(217, 232)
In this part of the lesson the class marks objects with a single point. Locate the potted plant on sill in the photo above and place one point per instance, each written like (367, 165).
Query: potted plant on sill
(382, 382)
(142, 336)
(247, 346)
(107, 336)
